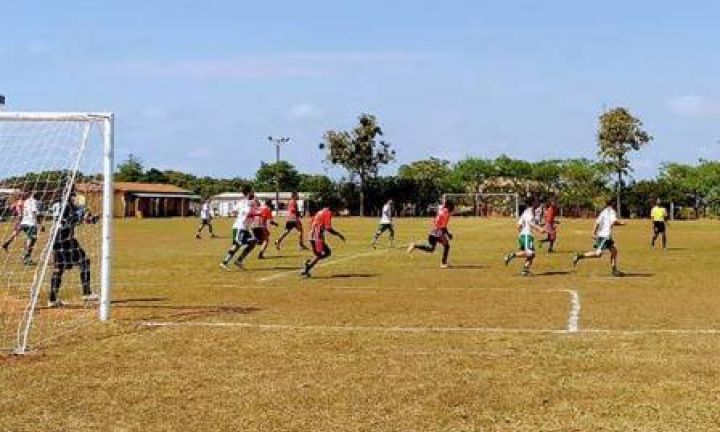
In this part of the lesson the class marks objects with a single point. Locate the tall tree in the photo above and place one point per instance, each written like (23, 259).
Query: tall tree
(130, 170)
(619, 133)
(283, 172)
(361, 151)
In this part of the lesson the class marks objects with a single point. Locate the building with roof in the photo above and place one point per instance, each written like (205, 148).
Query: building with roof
(226, 204)
(140, 199)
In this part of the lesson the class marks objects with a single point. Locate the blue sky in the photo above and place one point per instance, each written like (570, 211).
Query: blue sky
(199, 85)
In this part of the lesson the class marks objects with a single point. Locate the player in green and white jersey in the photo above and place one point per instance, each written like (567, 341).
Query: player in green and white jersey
(386, 223)
(526, 225)
(602, 234)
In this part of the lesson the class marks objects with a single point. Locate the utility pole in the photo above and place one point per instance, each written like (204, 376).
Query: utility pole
(277, 142)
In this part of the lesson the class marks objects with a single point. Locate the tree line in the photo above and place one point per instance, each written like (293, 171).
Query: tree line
(579, 186)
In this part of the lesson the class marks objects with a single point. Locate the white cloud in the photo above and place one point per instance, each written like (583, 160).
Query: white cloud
(694, 106)
(304, 111)
(291, 65)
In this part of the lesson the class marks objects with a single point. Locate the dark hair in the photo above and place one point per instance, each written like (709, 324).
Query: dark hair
(610, 203)
(530, 202)
(246, 190)
(449, 205)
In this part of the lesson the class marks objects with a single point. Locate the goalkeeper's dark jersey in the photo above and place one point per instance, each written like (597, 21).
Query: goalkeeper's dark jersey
(69, 219)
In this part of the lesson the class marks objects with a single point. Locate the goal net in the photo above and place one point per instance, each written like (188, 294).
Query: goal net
(55, 225)
(485, 204)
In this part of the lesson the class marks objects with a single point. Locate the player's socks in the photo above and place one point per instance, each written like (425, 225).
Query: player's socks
(5, 246)
(577, 258)
(411, 247)
(509, 257)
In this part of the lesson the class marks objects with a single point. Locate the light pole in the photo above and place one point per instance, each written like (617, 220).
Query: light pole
(277, 142)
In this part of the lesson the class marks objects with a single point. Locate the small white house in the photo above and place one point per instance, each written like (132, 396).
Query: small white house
(226, 204)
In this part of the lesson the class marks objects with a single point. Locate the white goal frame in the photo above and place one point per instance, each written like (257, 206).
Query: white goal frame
(106, 121)
(478, 197)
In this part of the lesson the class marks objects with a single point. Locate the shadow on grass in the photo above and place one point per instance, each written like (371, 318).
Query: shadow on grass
(554, 273)
(275, 268)
(185, 312)
(139, 300)
(466, 267)
(347, 276)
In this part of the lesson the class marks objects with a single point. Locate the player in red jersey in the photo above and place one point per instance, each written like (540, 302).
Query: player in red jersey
(17, 211)
(550, 225)
(266, 218)
(322, 223)
(438, 234)
(293, 222)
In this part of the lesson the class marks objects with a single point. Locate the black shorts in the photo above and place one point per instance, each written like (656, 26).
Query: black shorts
(205, 222)
(67, 253)
(434, 240)
(260, 234)
(291, 225)
(658, 227)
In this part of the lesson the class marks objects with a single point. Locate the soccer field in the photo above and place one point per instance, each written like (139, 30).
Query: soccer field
(382, 340)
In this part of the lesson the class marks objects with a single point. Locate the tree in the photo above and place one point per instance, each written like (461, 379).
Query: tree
(471, 173)
(154, 175)
(360, 151)
(269, 173)
(582, 182)
(427, 169)
(130, 170)
(619, 133)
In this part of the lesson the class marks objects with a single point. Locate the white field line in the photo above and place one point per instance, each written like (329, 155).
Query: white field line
(321, 264)
(352, 329)
(420, 330)
(574, 316)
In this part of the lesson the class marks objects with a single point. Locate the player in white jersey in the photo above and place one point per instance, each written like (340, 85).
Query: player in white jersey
(386, 223)
(206, 217)
(29, 225)
(525, 226)
(241, 234)
(602, 234)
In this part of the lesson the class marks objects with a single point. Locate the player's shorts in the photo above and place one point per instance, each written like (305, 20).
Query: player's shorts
(603, 243)
(291, 225)
(242, 237)
(551, 231)
(205, 222)
(260, 234)
(658, 227)
(68, 253)
(526, 243)
(320, 248)
(434, 239)
(30, 231)
(385, 227)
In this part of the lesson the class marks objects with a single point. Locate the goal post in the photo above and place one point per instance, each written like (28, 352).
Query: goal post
(485, 204)
(48, 162)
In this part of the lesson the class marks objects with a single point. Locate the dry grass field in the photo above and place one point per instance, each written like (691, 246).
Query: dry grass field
(382, 341)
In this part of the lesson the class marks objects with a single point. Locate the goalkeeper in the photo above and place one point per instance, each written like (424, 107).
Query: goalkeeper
(67, 253)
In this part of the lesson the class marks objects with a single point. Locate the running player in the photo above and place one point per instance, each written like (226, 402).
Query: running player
(525, 226)
(322, 223)
(206, 216)
(68, 253)
(17, 211)
(241, 235)
(602, 234)
(29, 225)
(386, 224)
(438, 234)
(293, 221)
(550, 225)
(659, 217)
(266, 217)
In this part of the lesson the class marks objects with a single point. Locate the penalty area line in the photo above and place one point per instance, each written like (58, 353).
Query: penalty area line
(326, 264)
(425, 330)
